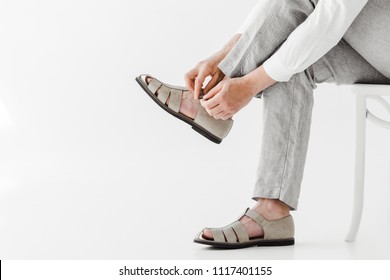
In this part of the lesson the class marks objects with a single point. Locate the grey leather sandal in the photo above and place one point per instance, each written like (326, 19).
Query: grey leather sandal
(212, 129)
(234, 236)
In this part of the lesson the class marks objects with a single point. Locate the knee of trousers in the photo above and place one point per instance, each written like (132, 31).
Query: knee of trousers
(297, 92)
(276, 21)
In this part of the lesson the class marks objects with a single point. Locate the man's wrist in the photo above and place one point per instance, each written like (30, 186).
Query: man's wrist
(258, 80)
(251, 84)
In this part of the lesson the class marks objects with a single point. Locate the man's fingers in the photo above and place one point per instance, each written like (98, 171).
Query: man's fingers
(215, 90)
(198, 85)
(213, 111)
(190, 85)
(189, 79)
(227, 116)
(212, 83)
(217, 114)
(209, 104)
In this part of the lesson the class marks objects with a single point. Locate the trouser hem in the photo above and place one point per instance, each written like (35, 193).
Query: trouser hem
(263, 192)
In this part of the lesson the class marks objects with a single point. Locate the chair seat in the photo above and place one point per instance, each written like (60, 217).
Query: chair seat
(366, 89)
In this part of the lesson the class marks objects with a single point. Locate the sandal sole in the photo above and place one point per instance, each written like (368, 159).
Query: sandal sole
(181, 117)
(258, 243)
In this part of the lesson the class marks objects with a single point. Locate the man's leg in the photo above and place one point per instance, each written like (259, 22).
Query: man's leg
(287, 118)
(368, 34)
(286, 130)
(288, 106)
(284, 147)
(277, 19)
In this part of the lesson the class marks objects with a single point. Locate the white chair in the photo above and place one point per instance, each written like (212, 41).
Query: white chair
(364, 92)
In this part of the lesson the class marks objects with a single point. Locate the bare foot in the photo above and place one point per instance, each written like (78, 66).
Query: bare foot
(189, 106)
(270, 209)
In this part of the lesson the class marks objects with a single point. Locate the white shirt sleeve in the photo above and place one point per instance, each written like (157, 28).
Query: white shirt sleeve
(316, 36)
(311, 40)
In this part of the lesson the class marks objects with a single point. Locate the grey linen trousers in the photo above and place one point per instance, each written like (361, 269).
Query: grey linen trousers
(362, 56)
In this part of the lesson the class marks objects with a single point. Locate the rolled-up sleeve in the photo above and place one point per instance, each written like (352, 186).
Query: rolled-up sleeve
(311, 40)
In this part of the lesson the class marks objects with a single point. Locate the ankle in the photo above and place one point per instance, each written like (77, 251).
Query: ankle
(272, 209)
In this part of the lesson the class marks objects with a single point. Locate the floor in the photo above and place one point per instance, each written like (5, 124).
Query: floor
(126, 195)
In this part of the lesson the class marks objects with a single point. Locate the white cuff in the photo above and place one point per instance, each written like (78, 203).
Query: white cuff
(276, 70)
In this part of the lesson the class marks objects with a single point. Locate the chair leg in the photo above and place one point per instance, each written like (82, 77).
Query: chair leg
(361, 114)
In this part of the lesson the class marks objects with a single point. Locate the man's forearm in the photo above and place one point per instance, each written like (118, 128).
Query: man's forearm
(258, 80)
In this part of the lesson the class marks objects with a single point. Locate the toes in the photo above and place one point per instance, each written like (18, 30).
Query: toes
(207, 234)
(147, 79)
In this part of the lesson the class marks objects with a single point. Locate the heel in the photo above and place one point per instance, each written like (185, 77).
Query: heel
(206, 134)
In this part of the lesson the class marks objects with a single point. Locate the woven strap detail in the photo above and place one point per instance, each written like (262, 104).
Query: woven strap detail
(240, 231)
(230, 234)
(175, 100)
(163, 94)
(218, 235)
(154, 85)
(273, 230)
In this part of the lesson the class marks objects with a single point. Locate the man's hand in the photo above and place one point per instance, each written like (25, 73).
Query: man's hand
(195, 78)
(231, 95)
(228, 98)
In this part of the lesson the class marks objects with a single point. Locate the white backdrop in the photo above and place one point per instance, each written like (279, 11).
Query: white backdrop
(90, 168)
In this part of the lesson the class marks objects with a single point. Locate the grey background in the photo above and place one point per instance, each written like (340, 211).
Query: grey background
(90, 168)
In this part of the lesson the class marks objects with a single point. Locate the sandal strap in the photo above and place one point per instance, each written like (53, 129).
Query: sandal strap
(176, 87)
(175, 100)
(275, 229)
(233, 233)
(163, 94)
(229, 234)
(256, 217)
(240, 231)
(154, 85)
(236, 232)
(218, 235)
